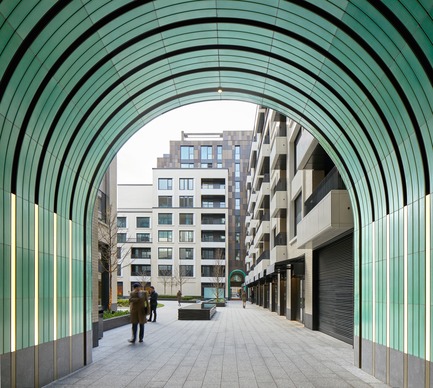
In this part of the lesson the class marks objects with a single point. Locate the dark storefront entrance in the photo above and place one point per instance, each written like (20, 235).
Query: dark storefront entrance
(333, 293)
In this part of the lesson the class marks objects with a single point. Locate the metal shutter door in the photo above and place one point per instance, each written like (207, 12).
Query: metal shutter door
(335, 289)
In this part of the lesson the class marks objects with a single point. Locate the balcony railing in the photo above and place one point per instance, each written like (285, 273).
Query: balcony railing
(264, 256)
(280, 239)
(332, 181)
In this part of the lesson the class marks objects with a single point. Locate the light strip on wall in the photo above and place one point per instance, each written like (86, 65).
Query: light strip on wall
(55, 278)
(13, 272)
(36, 292)
(387, 283)
(427, 278)
(405, 312)
(373, 254)
(70, 278)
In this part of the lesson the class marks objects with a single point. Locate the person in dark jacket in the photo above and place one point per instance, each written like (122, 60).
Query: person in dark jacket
(153, 304)
(138, 302)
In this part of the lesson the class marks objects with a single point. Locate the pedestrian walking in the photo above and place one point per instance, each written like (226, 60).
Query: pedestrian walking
(138, 303)
(179, 297)
(153, 304)
(244, 298)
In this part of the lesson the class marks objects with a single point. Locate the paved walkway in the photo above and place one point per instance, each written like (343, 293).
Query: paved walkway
(238, 348)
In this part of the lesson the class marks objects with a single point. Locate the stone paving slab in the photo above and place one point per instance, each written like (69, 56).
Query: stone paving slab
(238, 348)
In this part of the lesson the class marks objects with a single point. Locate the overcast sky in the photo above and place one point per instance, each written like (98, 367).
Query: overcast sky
(138, 156)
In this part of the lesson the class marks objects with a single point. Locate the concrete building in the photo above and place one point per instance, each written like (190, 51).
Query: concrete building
(299, 228)
(185, 230)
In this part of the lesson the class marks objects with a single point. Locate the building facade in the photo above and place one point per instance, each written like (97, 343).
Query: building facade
(299, 229)
(185, 231)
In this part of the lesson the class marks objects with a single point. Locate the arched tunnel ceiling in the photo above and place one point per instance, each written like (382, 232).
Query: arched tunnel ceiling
(79, 78)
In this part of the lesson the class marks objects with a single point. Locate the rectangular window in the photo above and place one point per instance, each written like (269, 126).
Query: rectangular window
(165, 270)
(237, 152)
(186, 270)
(187, 165)
(298, 213)
(186, 219)
(237, 170)
(121, 222)
(121, 237)
(165, 235)
(186, 236)
(219, 165)
(143, 222)
(219, 152)
(186, 253)
(187, 152)
(206, 153)
(165, 219)
(213, 254)
(143, 237)
(237, 203)
(237, 187)
(205, 165)
(140, 253)
(165, 201)
(165, 253)
(186, 184)
(119, 252)
(140, 270)
(186, 201)
(165, 184)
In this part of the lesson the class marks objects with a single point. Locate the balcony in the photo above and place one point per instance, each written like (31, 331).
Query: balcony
(278, 253)
(278, 202)
(279, 149)
(331, 217)
(332, 181)
(264, 228)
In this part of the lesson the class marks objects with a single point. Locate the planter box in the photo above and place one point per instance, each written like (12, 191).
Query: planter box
(200, 312)
(115, 322)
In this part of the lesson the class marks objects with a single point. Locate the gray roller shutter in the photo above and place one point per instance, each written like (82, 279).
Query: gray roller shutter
(335, 289)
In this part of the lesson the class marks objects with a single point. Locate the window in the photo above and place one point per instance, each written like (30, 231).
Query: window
(206, 152)
(165, 270)
(237, 203)
(186, 219)
(237, 254)
(186, 270)
(165, 219)
(186, 236)
(219, 152)
(237, 187)
(119, 252)
(186, 201)
(237, 152)
(143, 237)
(140, 270)
(165, 184)
(213, 254)
(297, 152)
(219, 165)
(186, 183)
(165, 201)
(121, 237)
(143, 222)
(298, 213)
(205, 165)
(165, 253)
(237, 170)
(121, 222)
(187, 152)
(165, 235)
(140, 253)
(187, 165)
(212, 271)
(237, 237)
(186, 253)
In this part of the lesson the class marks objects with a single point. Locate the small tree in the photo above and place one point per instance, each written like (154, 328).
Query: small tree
(112, 254)
(219, 275)
(166, 277)
(179, 278)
